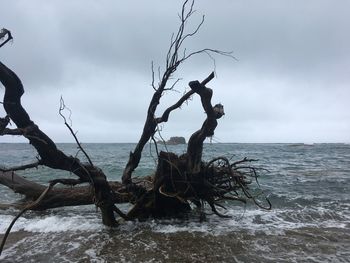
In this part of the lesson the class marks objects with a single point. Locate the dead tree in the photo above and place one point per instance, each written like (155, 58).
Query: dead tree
(178, 182)
(175, 57)
(180, 179)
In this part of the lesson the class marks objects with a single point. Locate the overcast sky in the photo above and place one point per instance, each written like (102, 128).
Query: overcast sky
(291, 82)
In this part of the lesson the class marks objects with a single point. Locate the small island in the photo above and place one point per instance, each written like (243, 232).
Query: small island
(175, 140)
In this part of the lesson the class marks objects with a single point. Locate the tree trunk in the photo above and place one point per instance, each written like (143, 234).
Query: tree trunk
(58, 197)
(49, 154)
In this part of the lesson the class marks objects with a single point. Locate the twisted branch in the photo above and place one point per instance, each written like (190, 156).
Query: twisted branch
(47, 150)
(3, 33)
(173, 60)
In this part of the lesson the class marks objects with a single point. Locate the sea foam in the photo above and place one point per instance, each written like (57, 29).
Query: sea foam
(51, 223)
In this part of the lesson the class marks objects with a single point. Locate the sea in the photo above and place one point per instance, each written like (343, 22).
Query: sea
(307, 184)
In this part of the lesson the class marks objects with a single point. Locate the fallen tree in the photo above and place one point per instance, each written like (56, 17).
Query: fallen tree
(178, 181)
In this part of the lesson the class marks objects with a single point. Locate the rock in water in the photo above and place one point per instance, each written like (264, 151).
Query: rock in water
(176, 140)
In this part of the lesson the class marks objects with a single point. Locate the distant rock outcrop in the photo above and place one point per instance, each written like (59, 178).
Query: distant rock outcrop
(175, 140)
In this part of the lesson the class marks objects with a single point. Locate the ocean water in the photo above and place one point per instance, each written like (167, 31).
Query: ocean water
(308, 186)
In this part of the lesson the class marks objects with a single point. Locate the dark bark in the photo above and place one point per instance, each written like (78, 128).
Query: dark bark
(184, 98)
(178, 180)
(57, 197)
(151, 126)
(195, 143)
(162, 200)
(4, 32)
(176, 55)
(47, 150)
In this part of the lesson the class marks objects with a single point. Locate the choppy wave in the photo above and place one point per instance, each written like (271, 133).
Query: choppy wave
(322, 216)
(50, 224)
(310, 220)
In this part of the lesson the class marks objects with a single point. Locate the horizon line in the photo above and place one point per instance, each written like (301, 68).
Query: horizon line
(305, 143)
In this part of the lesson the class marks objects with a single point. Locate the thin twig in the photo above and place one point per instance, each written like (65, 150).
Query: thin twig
(62, 107)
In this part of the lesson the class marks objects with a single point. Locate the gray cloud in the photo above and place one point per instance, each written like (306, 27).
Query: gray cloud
(290, 83)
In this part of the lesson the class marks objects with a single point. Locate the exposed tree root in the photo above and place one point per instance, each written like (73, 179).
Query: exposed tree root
(178, 182)
(174, 188)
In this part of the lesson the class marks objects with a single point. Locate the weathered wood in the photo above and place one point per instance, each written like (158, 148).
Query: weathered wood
(151, 125)
(57, 197)
(178, 180)
(3, 33)
(195, 143)
(176, 56)
(184, 98)
(50, 155)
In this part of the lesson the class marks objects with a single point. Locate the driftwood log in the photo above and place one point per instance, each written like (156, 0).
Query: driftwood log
(179, 182)
(58, 197)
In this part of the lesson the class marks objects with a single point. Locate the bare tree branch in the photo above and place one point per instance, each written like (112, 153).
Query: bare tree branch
(195, 144)
(178, 179)
(7, 131)
(62, 107)
(184, 98)
(3, 33)
(172, 63)
(21, 167)
(50, 155)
